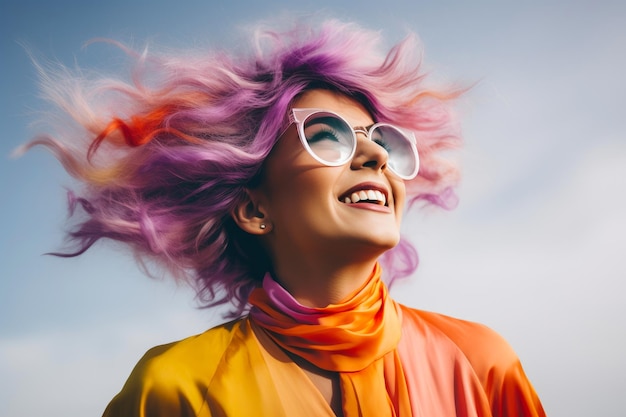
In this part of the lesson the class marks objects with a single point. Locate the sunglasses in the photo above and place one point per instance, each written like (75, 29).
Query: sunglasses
(331, 140)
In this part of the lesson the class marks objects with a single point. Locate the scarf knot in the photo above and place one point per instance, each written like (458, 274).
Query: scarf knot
(343, 337)
(356, 337)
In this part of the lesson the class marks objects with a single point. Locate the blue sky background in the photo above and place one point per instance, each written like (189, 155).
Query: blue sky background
(535, 249)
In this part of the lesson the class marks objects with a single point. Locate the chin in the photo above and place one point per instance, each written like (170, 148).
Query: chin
(383, 243)
(390, 244)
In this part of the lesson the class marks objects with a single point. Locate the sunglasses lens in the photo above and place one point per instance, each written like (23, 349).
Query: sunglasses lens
(402, 158)
(329, 138)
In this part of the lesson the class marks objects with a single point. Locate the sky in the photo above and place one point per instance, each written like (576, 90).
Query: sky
(534, 250)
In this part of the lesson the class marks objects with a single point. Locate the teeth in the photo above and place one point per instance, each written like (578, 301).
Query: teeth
(370, 195)
(381, 197)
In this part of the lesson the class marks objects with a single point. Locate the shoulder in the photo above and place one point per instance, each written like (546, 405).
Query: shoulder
(489, 357)
(172, 379)
(483, 347)
(203, 350)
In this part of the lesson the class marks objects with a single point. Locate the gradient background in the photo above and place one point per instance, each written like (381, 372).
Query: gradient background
(534, 250)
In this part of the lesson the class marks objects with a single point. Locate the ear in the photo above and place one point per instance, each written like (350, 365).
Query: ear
(250, 214)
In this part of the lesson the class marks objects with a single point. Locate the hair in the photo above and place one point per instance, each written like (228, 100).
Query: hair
(166, 156)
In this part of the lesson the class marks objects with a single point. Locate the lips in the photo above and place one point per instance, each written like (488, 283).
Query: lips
(365, 193)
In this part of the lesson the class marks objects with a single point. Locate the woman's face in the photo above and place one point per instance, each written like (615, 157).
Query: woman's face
(304, 202)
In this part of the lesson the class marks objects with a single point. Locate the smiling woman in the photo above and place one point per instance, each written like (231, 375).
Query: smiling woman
(311, 231)
(276, 180)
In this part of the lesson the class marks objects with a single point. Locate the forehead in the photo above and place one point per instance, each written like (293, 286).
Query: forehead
(354, 112)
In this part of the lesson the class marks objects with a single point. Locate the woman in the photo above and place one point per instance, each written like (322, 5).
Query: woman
(276, 181)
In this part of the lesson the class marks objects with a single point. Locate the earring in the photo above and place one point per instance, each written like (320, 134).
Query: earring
(262, 226)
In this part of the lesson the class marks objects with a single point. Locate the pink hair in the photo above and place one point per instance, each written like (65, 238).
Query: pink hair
(165, 157)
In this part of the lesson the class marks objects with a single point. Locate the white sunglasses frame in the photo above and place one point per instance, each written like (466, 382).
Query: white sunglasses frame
(299, 116)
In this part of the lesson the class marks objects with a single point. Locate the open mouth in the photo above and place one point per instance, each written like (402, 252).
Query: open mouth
(371, 196)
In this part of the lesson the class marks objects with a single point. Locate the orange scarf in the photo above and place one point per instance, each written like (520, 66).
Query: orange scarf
(357, 338)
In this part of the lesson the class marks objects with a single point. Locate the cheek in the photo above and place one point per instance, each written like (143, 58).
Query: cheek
(300, 188)
(310, 187)
(400, 198)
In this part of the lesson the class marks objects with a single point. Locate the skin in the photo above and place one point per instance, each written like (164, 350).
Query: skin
(323, 249)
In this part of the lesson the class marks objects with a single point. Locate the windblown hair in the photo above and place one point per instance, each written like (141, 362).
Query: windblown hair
(167, 156)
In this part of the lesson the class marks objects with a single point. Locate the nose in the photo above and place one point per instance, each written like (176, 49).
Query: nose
(369, 154)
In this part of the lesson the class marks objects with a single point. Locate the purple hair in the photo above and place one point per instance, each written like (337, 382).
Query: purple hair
(166, 157)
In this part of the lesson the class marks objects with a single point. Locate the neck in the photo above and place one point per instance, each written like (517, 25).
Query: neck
(320, 283)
